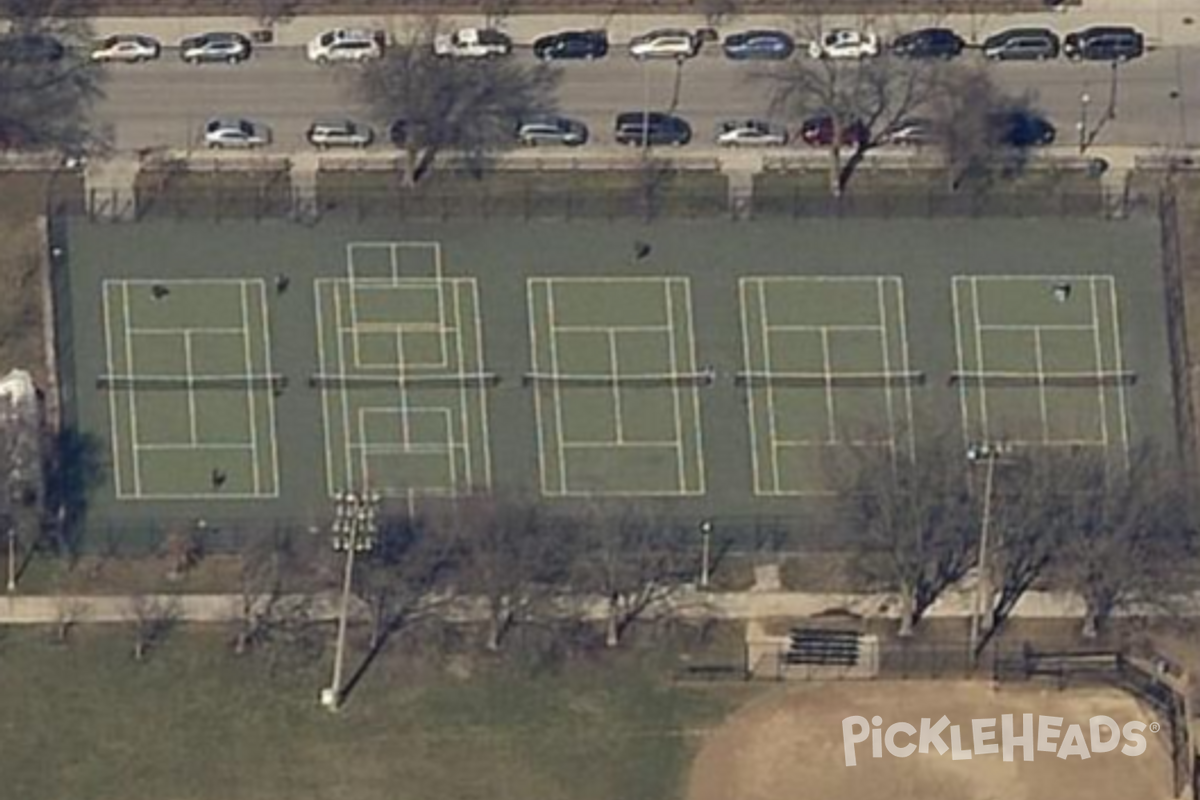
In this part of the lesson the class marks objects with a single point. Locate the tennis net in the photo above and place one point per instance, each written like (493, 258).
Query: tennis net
(464, 380)
(628, 380)
(864, 380)
(1035, 379)
(124, 383)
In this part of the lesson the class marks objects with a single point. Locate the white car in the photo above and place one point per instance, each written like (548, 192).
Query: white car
(240, 133)
(845, 43)
(345, 44)
(472, 43)
(750, 133)
(665, 43)
(127, 49)
(326, 133)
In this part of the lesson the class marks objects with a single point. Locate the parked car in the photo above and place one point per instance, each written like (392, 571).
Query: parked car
(571, 45)
(653, 128)
(30, 48)
(766, 45)
(911, 132)
(126, 49)
(240, 133)
(1023, 129)
(750, 133)
(472, 43)
(327, 133)
(844, 43)
(665, 43)
(552, 130)
(818, 132)
(345, 44)
(1104, 43)
(213, 47)
(928, 43)
(1022, 44)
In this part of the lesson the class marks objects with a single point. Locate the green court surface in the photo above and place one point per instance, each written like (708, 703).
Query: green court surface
(711, 369)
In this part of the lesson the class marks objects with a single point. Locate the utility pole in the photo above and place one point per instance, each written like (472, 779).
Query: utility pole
(706, 528)
(983, 592)
(354, 528)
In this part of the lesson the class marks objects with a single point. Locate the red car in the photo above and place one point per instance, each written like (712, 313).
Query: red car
(818, 132)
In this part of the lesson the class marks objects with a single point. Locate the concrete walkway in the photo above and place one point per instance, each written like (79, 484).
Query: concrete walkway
(687, 603)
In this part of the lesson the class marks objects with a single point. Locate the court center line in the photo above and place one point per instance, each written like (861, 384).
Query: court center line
(850, 328)
(992, 326)
(189, 373)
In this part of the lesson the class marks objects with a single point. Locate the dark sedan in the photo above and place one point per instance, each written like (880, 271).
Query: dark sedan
(928, 43)
(765, 45)
(1023, 129)
(572, 45)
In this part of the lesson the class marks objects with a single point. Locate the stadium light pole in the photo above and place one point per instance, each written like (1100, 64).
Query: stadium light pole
(706, 528)
(354, 527)
(989, 453)
(12, 556)
(1084, 101)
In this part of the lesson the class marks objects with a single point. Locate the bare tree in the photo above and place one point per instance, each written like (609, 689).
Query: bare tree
(410, 562)
(266, 609)
(45, 103)
(511, 557)
(438, 104)
(69, 612)
(1129, 532)
(632, 560)
(864, 100)
(152, 619)
(915, 514)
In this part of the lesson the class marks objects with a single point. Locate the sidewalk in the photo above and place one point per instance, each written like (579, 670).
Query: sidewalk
(688, 603)
(1165, 23)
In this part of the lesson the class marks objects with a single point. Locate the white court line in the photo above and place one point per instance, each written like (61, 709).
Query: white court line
(697, 426)
(273, 441)
(482, 389)
(189, 373)
(556, 391)
(797, 444)
(979, 357)
(835, 328)
(964, 406)
(463, 402)
(1099, 350)
(168, 447)
(830, 406)
(906, 366)
(770, 390)
(318, 285)
(888, 401)
(1040, 372)
(616, 328)
(1056, 443)
(751, 407)
(991, 326)
(132, 394)
(531, 312)
(1120, 365)
(673, 366)
(615, 371)
(114, 428)
(247, 356)
(634, 445)
(185, 330)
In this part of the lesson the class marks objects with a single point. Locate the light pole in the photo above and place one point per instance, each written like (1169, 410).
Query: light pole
(1084, 101)
(12, 557)
(706, 528)
(983, 592)
(354, 528)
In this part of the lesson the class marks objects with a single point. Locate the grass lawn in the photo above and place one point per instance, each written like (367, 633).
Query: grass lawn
(196, 722)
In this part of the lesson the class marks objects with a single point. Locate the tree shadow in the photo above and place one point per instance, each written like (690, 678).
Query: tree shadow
(74, 468)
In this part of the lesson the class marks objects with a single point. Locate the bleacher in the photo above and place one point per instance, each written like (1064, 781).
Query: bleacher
(822, 647)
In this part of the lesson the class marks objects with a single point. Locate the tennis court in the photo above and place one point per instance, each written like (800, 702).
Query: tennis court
(192, 415)
(1040, 361)
(826, 367)
(616, 386)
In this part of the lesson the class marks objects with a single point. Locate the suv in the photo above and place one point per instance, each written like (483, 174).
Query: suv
(345, 44)
(326, 133)
(572, 44)
(212, 47)
(472, 43)
(552, 130)
(1104, 44)
(928, 43)
(655, 127)
(665, 43)
(1022, 44)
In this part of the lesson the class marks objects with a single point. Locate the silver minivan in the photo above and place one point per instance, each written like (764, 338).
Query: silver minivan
(1022, 44)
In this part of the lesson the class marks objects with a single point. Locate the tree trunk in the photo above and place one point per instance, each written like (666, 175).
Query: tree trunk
(835, 165)
(1091, 625)
(612, 633)
(908, 614)
(501, 618)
